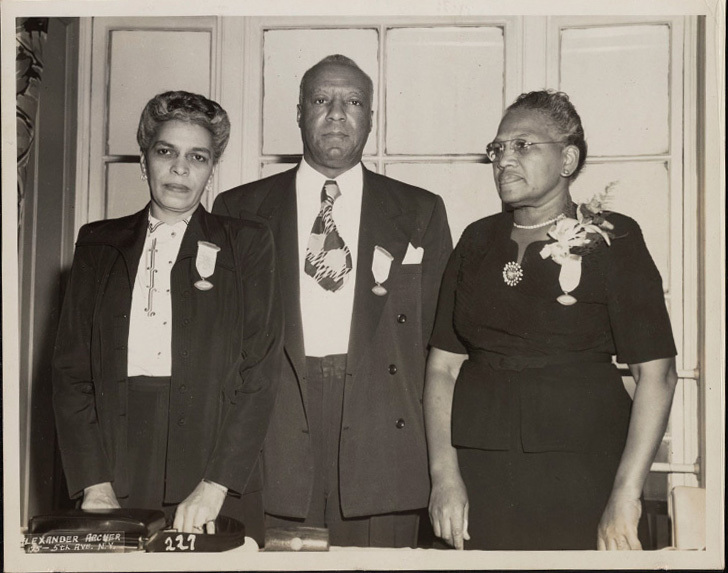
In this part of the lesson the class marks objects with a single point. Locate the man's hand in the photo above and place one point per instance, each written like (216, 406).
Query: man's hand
(198, 511)
(99, 496)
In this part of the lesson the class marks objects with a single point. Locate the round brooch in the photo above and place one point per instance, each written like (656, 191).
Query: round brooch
(512, 273)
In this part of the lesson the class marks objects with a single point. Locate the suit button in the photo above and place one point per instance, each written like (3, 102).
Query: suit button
(182, 421)
(186, 321)
(183, 388)
(392, 369)
(401, 318)
(184, 353)
(400, 424)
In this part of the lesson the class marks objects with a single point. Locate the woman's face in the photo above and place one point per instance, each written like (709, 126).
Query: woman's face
(178, 163)
(530, 177)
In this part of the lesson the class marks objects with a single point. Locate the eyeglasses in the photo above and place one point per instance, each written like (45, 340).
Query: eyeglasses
(520, 147)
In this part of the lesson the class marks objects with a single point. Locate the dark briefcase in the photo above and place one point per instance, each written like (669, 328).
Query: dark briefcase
(95, 526)
(79, 530)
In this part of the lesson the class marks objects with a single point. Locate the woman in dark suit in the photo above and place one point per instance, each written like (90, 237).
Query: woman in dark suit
(534, 442)
(168, 349)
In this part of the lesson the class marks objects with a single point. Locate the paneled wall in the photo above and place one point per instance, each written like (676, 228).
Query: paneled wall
(45, 241)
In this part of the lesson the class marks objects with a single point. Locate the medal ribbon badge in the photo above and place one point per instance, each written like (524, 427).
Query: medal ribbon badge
(569, 278)
(381, 265)
(205, 263)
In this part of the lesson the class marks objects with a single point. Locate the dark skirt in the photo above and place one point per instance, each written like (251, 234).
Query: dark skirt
(551, 500)
(148, 422)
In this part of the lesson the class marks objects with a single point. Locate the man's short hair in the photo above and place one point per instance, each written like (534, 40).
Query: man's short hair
(338, 60)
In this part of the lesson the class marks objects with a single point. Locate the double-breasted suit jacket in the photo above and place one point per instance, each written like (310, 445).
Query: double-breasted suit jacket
(226, 355)
(382, 450)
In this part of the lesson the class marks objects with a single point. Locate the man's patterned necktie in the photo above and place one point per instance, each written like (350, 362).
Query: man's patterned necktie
(328, 259)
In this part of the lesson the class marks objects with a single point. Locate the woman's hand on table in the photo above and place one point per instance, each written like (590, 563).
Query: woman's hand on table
(197, 513)
(618, 526)
(99, 496)
(449, 510)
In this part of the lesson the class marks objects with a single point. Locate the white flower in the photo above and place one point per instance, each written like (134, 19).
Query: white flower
(591, 228)
(557, 251)
(569, 233)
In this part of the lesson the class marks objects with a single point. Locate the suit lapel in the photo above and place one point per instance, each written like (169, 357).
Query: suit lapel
(384, 224)
(127, 235)
(279, 208)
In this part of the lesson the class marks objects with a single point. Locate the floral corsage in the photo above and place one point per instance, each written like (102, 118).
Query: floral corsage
(576, 237)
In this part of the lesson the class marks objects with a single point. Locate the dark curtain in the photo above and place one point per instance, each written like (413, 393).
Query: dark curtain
(30, 35)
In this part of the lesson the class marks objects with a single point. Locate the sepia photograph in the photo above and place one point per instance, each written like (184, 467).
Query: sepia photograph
(383, 286)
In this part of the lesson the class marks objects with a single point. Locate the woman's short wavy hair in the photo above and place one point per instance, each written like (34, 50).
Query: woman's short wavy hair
(557, 108)
(184, 106)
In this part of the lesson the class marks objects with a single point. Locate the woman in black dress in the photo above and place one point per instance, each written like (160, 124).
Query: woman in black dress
(534, 443)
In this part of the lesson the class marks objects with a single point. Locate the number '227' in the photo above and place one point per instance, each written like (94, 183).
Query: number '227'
(170, 545)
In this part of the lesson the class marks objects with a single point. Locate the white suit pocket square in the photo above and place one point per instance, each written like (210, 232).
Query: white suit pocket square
(413, 256)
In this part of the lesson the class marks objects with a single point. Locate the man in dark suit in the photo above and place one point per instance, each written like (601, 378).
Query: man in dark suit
(360, 258)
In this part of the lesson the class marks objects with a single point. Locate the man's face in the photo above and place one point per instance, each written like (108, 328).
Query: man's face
(335, 117)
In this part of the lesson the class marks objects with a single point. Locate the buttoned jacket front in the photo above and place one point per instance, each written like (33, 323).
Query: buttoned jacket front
(382, 449)
(226, 355)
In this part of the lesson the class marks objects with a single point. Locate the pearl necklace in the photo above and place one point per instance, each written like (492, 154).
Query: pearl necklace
(539, 225)
(513, 272)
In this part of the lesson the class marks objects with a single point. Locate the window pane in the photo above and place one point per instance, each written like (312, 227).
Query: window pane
(126, 193)
(287, 55)
(641, 192)
(467, 189)
(444, 89)
(145, 63)
(618, 79)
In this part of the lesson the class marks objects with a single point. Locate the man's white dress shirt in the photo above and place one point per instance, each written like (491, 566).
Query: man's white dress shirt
(326, 315)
